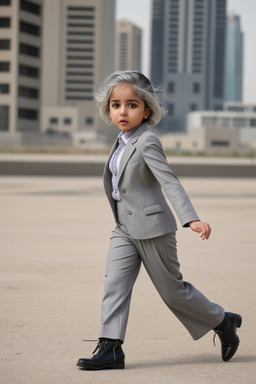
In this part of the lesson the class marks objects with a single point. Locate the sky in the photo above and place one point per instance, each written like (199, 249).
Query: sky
(139, 12)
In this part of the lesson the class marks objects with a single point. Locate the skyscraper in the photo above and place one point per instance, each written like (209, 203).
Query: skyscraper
(128, 46)
(187, 55)
(20, 65)
(78, 52)
(234, 59)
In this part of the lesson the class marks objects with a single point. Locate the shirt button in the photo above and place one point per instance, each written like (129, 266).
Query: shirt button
(129, 212)
(124, 191)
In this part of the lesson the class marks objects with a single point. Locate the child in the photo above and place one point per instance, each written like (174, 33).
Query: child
(135, 175)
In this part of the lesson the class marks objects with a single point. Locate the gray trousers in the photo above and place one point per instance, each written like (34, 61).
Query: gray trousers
(159, 257)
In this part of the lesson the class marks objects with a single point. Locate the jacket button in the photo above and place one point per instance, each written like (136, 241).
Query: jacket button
(124, 191)
(129, 212)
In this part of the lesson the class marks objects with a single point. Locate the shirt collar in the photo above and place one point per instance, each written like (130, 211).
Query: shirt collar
(125, 136)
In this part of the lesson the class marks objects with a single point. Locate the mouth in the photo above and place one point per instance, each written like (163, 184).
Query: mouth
(123, 121)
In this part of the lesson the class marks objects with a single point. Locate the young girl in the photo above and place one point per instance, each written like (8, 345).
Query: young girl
(135, 175)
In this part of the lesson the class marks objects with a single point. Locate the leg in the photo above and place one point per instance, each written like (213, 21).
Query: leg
(191, 307)
(123, 265)
(122, 268)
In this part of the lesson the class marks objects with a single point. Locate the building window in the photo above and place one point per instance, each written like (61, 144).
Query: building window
(253, 122)
(79, 57)
(79, 81)
(5, 22)
(5, 2)
(83, 25)
(78, 33)
(30, 7)
(239, 123)
(71, 41)
(5, 44)
(29, 50)
(170, 108)
(81, 17)
(193, 107)
(79, 66)
(234, 108)
(79, 74)
(4, 89)
(29, 93)
(171, 87)
(196, 69)
(85, 9)
(53, 120)
(67, 121)
(85, 98)
(79, 90)
(27, 71)
(218, 108)
(196, 87)
(28, 114)
(220, 143)
(89, 121)
(80, 49)
(4, 66)
(29, 28)
(4, 117)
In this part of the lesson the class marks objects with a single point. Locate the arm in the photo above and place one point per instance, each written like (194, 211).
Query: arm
(155, 159)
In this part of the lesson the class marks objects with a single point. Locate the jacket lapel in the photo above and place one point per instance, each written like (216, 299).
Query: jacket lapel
(107, 174)
(130, 148)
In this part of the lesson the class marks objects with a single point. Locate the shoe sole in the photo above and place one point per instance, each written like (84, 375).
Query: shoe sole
(117, 366)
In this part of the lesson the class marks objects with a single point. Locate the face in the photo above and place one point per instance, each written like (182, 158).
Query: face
(126, 109)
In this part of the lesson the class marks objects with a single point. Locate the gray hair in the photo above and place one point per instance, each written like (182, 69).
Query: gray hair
(141, 85)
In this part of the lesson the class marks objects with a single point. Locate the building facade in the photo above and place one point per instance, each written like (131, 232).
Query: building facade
(237, 119)
(187, 56)
(128, 46)
(78, 49)
(234, 59)
(20, 65)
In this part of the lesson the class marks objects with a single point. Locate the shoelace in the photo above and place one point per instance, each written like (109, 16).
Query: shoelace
(219, 333)
(102, 345)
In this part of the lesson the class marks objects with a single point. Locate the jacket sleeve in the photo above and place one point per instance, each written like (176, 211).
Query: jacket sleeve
(155, 159)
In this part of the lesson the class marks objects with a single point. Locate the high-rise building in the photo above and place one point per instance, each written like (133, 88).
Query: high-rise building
(78, 52)
(128, 46)
(20, 65)
(233, 59)
(187, 55)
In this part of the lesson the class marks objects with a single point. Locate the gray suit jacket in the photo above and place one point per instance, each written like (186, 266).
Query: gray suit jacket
(143, 174)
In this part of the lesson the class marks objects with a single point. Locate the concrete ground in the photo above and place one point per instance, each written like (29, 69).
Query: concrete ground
(54, 238)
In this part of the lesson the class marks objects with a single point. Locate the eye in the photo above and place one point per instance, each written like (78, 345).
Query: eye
(132, 105)
(115, 105)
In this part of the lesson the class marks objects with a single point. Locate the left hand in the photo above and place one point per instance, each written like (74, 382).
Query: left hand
(203, 228)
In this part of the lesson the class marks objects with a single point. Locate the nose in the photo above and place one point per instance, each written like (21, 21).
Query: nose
(123, 111)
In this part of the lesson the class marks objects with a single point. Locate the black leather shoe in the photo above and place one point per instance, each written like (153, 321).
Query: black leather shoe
(227, 334)
(109, 356)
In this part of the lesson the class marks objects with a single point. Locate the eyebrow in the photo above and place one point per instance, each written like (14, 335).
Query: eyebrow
(129, 100)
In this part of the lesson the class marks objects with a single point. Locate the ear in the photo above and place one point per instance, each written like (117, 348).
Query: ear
(147, 112)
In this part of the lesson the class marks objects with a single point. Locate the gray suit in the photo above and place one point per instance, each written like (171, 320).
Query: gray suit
(145, 232)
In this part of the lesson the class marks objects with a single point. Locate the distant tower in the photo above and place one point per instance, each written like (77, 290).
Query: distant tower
(78, 53)
(128, 46)
(234, 59)
(20, 65)
(187, 55)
